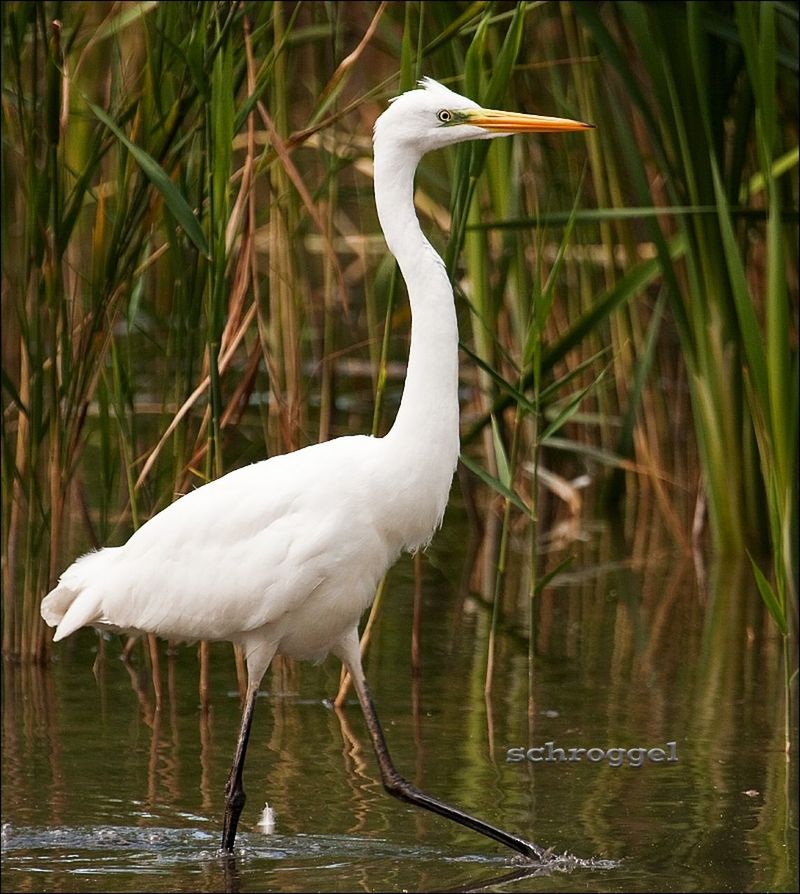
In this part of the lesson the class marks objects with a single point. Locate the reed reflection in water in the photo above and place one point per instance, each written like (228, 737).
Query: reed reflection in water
(629, 652)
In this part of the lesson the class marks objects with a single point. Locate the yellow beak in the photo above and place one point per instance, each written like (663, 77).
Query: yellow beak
(515, 122)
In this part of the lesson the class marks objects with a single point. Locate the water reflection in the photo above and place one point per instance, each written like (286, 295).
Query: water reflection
(121, 773)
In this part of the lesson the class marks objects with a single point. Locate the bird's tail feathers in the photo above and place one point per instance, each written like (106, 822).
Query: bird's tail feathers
(75, 601)
(80, 610)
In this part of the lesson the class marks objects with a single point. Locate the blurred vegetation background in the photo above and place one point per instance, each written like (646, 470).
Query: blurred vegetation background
(194, 278)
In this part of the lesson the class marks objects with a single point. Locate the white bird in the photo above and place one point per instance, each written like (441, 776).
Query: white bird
(283, 556)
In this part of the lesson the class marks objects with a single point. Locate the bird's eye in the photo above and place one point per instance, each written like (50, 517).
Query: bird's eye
(444, 116)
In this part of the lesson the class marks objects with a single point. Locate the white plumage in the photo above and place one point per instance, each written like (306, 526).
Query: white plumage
(288, 550)
(283, 556)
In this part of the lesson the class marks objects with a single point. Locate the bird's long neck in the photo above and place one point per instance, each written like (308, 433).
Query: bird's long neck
(426, 427)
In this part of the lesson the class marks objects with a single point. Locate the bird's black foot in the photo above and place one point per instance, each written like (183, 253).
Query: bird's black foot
(234, 804)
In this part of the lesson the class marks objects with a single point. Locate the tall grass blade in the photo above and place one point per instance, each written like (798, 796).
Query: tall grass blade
(176, 203)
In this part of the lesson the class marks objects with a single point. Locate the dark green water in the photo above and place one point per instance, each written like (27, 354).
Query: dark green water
(102, 792)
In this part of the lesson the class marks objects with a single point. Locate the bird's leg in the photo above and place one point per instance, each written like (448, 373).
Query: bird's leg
(234, 789)
(396, 785)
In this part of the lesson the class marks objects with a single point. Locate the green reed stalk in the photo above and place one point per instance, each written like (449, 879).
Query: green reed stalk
(688, 113)
(219, 140)
(125, 260)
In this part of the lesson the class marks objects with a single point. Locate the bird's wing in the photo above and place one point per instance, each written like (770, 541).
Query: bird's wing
(232, 555)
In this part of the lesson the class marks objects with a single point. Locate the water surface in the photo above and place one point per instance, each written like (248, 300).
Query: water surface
(634, 647)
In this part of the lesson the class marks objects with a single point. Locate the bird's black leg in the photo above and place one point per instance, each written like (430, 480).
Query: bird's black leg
(234, 789)
(396, 785)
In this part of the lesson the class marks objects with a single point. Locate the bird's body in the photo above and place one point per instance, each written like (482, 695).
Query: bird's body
(286, 552)
(283, 556)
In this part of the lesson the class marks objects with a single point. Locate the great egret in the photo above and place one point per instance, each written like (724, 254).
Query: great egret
(283, 556)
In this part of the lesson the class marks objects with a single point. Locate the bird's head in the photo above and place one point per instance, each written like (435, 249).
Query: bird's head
(434, 116)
